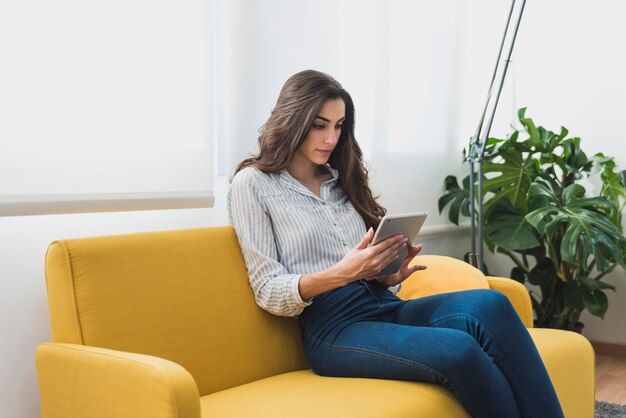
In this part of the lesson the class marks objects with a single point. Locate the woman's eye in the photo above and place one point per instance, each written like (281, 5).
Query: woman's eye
(338, 126)
(318, 126)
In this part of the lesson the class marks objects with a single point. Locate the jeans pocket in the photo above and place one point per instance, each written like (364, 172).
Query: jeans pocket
(366, 285)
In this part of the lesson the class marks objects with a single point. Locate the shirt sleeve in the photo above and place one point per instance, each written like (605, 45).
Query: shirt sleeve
(395, 289)
(275, 289)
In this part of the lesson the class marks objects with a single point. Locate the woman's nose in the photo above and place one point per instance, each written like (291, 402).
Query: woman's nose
(333, 136)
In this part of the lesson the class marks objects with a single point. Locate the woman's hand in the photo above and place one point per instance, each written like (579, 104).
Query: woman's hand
(361, 262)
(364, 261)
(404, 271)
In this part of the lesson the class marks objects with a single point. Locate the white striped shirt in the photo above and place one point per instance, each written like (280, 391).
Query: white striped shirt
(285, 230)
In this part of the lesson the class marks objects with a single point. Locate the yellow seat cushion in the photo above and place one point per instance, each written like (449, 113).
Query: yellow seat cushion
(303, 394)
(443, 275)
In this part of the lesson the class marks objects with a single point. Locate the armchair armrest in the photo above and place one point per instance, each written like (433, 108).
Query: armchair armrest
(83, 381)
(517, 294)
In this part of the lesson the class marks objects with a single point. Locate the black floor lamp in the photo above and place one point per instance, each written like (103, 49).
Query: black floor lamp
(479, 140)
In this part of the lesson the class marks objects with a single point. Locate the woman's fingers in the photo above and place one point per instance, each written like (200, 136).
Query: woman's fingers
(388, 249)
(393, 243)
(376, 257)
(365, 241)
(415, 250)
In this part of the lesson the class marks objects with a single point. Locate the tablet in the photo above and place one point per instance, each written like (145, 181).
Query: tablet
(407, 224)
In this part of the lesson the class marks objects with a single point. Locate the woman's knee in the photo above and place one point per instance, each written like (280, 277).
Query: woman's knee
(491, 302)
(462, 358)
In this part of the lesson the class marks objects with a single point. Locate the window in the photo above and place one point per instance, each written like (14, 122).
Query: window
(105, 105)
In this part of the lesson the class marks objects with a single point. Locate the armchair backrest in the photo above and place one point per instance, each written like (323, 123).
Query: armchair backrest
(182, 295)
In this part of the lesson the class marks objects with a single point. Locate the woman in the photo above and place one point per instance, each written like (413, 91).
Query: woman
(305, 216)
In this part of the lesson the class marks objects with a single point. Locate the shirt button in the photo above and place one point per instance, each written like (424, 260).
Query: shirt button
(334, 224)
(345, 245)
(323, 203)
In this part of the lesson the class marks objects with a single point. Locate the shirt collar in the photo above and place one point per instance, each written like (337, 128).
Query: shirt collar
(333, 172)
(292, 183)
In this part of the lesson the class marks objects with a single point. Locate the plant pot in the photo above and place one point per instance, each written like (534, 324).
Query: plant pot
(578, 327)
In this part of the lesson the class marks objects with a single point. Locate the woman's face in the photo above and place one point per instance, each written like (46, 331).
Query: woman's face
(323, 135)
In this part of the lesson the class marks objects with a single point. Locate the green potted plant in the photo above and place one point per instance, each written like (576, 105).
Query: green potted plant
(536, 210)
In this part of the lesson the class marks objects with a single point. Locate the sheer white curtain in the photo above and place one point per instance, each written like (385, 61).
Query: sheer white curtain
(105, 105)
(403, 61)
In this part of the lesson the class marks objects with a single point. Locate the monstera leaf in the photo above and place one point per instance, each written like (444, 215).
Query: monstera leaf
(509, 179)
(508, 229)
(575, 159)
(588, 230)
(457, 197)
(540, 140)
(613, 186)
(596, 302)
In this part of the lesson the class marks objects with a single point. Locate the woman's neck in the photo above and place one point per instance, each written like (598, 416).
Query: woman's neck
(311, 176)
(303, 172)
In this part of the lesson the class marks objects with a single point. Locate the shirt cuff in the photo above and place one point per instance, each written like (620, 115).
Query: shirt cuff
(395, 289)
(296, 293)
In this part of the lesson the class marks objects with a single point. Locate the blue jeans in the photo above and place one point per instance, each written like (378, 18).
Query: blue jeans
(473, 343)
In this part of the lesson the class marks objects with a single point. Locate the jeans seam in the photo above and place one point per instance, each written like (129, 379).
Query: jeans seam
(500, 352)
(378, 354)
(451, 387)
(366, 285)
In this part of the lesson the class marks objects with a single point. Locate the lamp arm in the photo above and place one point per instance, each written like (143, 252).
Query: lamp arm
(479, 140)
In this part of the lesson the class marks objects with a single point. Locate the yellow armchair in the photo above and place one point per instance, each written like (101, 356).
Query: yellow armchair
(84, 381)
(164, 324)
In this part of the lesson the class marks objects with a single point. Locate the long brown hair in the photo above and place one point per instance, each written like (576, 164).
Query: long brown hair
(298, 104)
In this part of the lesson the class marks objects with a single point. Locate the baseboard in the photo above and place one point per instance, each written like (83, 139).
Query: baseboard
(444, 230)
(609, 349)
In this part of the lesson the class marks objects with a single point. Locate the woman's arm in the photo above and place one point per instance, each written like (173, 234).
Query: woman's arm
(275, 289)
(361, 262)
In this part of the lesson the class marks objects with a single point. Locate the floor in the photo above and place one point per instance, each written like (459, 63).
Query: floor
(611, 379)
